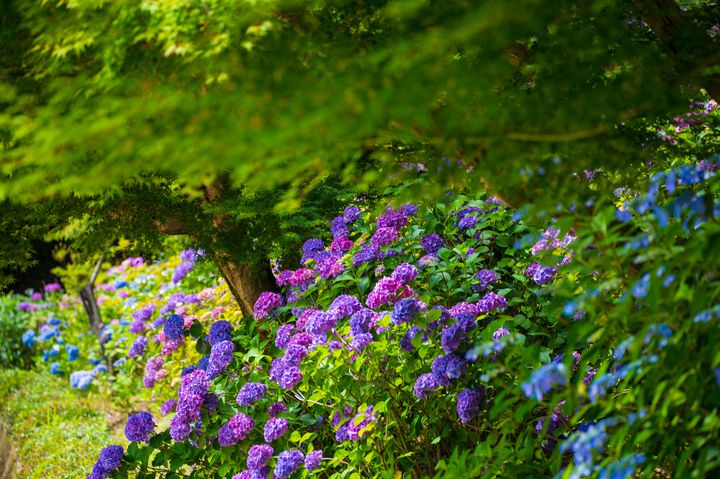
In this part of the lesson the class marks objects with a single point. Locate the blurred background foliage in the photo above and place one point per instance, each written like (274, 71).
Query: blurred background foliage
(244, 123)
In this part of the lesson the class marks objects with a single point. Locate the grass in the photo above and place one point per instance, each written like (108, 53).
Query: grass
(57, 432)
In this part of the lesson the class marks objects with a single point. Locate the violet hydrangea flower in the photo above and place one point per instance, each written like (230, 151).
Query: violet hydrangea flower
(313, 459)
(138, 347)
(447, 369)
(491, 302)
(404, 273)
(424, 385)
(469, 402)
(266, 303)
(236, 429)
(351, 214)
(287, 463)
(275, 427)
(432, 243)
(221, 355)
(486, 277)
(276, 408)
(139, 427)
(250, 393)
(258, 456)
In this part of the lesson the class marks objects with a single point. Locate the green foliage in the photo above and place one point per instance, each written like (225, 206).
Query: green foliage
(54, 430)
(280, 93)
(13, 353)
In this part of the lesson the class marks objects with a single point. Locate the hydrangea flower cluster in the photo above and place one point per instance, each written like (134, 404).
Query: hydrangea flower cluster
(266, 303)
(250, 393)
(110, 459)
(174, 327)
(139, 427)
(191, 394)
(287, 463)
(235, 430)
(221, 355)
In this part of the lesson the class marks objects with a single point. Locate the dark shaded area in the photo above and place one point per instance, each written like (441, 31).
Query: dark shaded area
(39, 274)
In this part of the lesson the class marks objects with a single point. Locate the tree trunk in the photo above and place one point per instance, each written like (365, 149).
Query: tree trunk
(246, 282)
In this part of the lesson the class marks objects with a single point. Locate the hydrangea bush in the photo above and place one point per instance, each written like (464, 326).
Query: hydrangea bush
(451, 340)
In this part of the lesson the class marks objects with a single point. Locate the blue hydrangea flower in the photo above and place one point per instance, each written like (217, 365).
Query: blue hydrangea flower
(220, 331)
(174, 327)
(544, 379)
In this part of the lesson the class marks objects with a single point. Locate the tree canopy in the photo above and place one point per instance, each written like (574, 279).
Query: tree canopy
(271, 98)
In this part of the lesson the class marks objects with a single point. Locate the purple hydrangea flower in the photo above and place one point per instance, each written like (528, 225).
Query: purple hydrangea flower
(313, 459)
(320, 322)
(236, 429)
(446, 369)
(452, 337)
(432, 243)
(221, 355)
(276, 408)
(267, 302)
(392, 219)
(344, 305)
(409, 209)
(360, 342)
(285, 375)
(250, 393)
(404, 311)
(275, 428)
(138, 347)
(424, 385)
(351, 214)
(486, 277)
(139, 427)
(544, 274)
(287, 463)
(295, 354)
(338, 227)
(258, 456)
(50, 287)
(340, 245)
(111, 458)
(284, 333)
(168, 406)
(531, 269)
(383, 237)
(283, 278)
(153, 372)
(191, 394)
(181, 271)
(463, 308)
(330, 266)
(312, 246)
(174, 327)
(220, 331)
(500, 332)
(361, 320)
(367, 254)
(491, 302)
(469, 402)
(404, 273)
